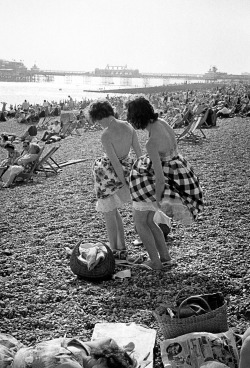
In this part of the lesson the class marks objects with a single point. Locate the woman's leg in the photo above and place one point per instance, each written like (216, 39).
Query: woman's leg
(245, 350)
(159, 238)
(120, 232)
(111, 226)
(147, 237)
(115, 229)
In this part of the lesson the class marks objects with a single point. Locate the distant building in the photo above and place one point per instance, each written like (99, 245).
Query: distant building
(34, 68)
(10, 70)
(117, 71)
(16, 67)
(213, 74)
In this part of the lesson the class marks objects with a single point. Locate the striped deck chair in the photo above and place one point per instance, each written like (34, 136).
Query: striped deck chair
(181, 122)
(194, 125)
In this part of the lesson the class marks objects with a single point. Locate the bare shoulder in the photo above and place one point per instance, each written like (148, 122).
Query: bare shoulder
(126, 125)
(105, 137)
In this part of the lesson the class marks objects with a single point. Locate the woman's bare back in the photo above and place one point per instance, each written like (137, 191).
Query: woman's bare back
(163, 136)
(120, 135)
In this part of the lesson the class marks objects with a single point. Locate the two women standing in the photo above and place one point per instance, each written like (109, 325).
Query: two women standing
(160, 179)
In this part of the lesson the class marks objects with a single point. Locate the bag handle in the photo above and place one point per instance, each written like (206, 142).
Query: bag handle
(187, 289)
(202, 301)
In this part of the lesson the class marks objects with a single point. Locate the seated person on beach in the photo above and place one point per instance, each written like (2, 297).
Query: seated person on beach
(13, 154)
(4, 138)
(29, 134)
(11, 113)
(21, 118)
(55, 111)
(224, 112)
(26, 147)
(74, 353)
(3, 113)
(53, 129)
(41, 113)
(178, 119)
(22, 164)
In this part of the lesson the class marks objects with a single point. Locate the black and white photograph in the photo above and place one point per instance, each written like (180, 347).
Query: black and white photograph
(124, 181)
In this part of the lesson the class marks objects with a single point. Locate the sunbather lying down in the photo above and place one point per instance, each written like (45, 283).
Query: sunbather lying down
(71, 353)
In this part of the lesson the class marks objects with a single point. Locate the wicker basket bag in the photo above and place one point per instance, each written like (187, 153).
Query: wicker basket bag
(214, 321)
(104, 269)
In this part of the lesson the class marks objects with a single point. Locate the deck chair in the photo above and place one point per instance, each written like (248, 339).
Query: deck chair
(44, 122)
(69, 124)
(26, 176)
(195, 124)
(70, 128)
(40, 123)
(47, 164)
(184, 119)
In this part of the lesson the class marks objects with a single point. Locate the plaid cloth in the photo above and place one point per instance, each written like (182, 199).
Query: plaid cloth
(106, 182)
(182, 186)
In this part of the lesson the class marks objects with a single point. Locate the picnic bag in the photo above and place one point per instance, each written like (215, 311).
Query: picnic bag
(104, 269)
(195, 313)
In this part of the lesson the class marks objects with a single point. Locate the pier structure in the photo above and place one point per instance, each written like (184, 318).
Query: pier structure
(17, 72)
(48, 75)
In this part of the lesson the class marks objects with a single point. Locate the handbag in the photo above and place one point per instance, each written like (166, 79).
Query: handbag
(195, 313)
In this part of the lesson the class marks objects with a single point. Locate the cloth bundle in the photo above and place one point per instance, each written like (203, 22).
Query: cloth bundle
(91, 254)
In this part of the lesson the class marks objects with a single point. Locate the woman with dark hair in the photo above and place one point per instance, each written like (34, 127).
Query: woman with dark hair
(161, 179)
(111, 171)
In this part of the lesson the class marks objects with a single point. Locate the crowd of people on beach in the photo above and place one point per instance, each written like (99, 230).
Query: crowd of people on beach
(226, 101)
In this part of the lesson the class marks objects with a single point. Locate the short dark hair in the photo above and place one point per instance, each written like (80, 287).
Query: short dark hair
(9, 145)
(5, 137)
(140, 113)
(100, 109)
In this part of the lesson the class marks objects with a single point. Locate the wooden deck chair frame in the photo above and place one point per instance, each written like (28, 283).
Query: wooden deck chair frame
(195, 124)
(69, 128)
(40, 123)
(183, 120)
(45, 165)
(43, 122)
(27, 176)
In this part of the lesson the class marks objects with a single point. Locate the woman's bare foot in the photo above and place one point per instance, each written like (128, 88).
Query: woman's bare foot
(165, 260)
(152, 265)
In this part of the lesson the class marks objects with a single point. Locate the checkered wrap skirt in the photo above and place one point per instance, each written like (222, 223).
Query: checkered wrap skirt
(182, 187)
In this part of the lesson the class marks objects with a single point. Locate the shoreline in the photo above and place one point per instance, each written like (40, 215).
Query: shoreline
(158, 89)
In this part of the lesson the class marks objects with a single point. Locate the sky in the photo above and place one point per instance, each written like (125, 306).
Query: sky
(171, 36)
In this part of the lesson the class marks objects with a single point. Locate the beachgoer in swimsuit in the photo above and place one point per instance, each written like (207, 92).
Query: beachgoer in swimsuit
(160, 179)
(111, 172)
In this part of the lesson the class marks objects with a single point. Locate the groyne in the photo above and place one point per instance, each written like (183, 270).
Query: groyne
(159, 89)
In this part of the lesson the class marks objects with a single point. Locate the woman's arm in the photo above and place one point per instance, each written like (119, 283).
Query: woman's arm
(152, 150)
(109, 149)
(135, 144)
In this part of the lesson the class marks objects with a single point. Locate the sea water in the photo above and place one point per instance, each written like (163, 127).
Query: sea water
(78, 87)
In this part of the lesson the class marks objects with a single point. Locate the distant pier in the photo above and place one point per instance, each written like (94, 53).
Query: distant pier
(11, 71)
